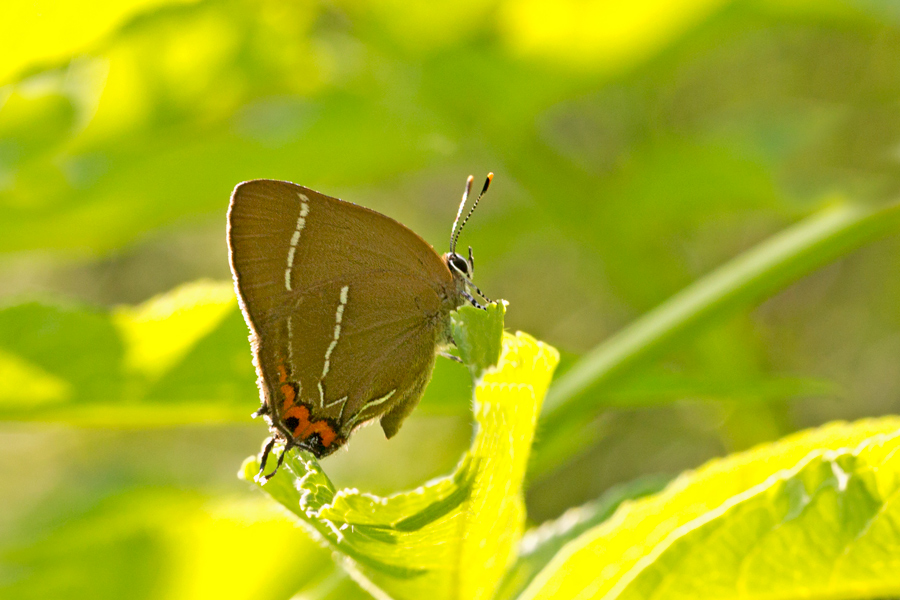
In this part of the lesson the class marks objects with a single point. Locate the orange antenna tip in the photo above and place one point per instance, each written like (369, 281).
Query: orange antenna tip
(487, 182)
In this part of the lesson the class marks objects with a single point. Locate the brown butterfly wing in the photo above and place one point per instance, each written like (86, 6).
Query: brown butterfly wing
(345, 307)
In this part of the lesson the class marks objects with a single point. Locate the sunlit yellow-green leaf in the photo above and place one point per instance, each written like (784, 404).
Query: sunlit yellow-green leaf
(453, 537)
(181, 357)
(540, 544)
(814, 515)
(599, 35)
(23, 381)
(47, 31)
(159, 332)
(167, 544)
(215, 546)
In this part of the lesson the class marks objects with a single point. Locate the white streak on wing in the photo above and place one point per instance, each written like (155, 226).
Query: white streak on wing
(368, 405)
(384, 398)
(295, 239)
(340, 400)
(327, 366)
(291, 251)
(338, 317)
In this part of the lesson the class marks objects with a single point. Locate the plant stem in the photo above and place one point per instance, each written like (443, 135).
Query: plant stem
(754, 275)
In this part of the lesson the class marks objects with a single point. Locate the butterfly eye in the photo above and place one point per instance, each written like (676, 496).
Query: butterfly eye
(459, 263)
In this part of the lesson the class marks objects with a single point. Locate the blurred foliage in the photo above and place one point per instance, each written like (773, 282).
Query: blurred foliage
(164, 543)
(645, 154)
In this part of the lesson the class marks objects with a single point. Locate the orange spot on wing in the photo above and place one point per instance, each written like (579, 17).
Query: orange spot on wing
(305, 428)
(326, 433)
(282, 373)
(289, 396)
(299, 412)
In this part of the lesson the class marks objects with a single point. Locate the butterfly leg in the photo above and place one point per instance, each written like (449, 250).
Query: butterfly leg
(262, 411)
(262, 479)
(472, 300)
(265, 455)
(452, 357)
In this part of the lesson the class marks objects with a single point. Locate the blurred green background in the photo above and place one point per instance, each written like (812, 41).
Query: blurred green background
(637, 146)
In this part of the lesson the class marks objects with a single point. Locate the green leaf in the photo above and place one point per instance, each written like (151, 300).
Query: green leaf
(540, 545)
(453, 537)
(814, 515)
(161, 331)
(163, 543)
(478, 338)
(181, 357)
(76, 354)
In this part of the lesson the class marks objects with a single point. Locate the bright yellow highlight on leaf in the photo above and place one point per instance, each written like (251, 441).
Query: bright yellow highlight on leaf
(813, 515)
(22, 381)
(34, 33)
(601, 36)
(216, 544)
(160, 332)
(454, 537)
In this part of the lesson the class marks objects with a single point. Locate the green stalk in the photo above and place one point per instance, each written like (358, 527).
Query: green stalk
(754, 275)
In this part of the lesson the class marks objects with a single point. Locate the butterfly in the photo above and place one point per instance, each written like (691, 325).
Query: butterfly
(347, 310)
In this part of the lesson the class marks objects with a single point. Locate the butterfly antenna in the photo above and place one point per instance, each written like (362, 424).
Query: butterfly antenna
(487, 183)
(459, 213)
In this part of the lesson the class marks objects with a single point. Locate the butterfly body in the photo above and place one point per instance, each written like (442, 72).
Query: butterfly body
(346, 307)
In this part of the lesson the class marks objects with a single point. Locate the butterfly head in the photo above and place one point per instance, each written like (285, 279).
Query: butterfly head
(463, 269)
(458, 265)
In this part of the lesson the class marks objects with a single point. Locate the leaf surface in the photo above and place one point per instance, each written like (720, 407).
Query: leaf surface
(816, 515)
